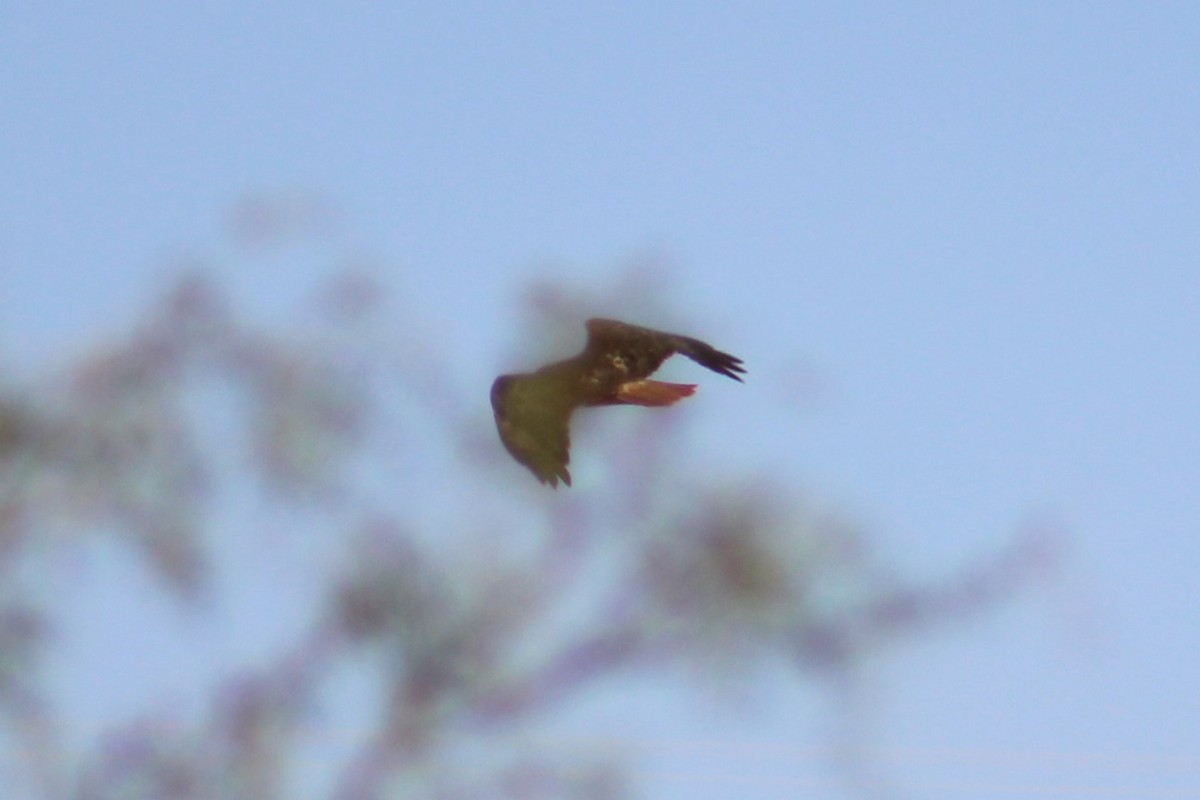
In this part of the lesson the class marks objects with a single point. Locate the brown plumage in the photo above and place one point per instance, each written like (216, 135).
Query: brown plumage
(533, 410)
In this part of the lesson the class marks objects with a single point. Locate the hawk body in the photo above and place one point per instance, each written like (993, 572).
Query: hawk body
(533, 410)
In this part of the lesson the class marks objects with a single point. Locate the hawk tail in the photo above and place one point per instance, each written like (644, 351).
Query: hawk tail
(654, 393)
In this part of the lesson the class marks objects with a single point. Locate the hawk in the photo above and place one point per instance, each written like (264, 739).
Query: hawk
(533, 409)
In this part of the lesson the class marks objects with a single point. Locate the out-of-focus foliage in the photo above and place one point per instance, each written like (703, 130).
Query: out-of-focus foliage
(465, 628)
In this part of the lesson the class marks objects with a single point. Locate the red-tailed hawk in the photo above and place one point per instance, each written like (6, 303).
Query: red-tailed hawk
(533, 410)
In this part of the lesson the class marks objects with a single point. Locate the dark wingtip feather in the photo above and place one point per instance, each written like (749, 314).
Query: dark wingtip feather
(723, 362)
(708, 356)
(554, 477)
(731, 367)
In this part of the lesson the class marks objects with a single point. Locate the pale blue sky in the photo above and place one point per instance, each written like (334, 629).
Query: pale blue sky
(976, 225)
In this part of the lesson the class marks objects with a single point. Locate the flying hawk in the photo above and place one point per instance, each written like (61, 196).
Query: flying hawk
(533, 409)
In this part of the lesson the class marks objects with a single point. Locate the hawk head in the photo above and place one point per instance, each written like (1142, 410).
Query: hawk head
(500, 389)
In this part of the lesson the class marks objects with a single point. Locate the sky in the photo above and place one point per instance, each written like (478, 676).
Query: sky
(970, 229)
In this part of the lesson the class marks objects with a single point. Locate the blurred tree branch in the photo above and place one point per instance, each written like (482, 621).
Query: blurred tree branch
(464, 629)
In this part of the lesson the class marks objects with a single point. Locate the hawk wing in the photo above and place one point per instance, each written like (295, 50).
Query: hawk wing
(638, 351)
(533, 417)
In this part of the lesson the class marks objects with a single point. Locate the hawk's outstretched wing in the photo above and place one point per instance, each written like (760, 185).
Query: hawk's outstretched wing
(533, 416)
(640, 351)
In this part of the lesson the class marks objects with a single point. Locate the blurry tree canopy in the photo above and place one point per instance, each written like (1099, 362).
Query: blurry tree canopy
(476, 620)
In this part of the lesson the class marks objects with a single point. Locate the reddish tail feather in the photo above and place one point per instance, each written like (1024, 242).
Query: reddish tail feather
(654, 393)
